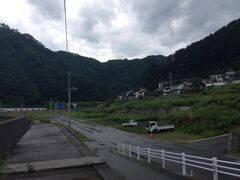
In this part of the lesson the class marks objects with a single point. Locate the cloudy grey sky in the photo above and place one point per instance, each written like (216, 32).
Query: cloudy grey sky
(111, 29)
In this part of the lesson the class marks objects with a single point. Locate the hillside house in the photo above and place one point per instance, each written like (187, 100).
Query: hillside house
(216, 77)
(221, 79)
(177, 89)
(138, 94)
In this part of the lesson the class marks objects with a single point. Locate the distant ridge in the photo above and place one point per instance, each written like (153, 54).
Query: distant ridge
(32, 74)
(215, 53)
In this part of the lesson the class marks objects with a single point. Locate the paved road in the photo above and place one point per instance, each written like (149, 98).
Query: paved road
(110, 136)
(104, 137)
(102, 140)
(216, 146)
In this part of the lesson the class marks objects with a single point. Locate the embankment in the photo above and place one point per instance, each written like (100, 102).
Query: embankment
(11, 131)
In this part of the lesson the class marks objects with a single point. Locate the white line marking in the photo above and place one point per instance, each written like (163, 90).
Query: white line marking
(209, 138)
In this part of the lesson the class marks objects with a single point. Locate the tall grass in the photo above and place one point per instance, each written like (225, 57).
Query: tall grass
(212, 112)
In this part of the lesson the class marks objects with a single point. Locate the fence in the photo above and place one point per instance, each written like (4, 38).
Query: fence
(21, 109)
(209, 164)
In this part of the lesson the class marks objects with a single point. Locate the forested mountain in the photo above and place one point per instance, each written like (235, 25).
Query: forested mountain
(215, 53)
(32, 74)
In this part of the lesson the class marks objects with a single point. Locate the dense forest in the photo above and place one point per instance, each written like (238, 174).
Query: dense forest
(31, 74)
(216, 53)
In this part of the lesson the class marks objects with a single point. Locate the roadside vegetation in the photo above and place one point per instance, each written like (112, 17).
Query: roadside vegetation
(212, 112)
(40, 115)
(78, 135)
(32, 115)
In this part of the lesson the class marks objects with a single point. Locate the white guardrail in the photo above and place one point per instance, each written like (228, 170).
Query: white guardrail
(21, 109)
(210, 164)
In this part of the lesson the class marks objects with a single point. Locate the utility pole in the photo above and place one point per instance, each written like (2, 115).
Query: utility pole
(69, 73)
(170, 79)
(22, 103)
(69, 98)
(50, 109)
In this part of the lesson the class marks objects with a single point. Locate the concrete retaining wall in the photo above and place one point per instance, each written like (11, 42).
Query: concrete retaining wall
(234, 141)
(11, 132)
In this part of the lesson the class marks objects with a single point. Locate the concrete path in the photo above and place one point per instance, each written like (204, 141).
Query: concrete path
(47, 148)
(43, 142)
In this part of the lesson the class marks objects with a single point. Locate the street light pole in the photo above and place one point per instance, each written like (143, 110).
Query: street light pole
(65, 20)
(69, 73)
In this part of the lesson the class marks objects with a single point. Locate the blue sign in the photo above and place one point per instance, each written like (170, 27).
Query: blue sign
(60, 105)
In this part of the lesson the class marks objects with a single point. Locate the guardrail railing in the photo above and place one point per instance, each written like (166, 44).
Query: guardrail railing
(21, 109)
(209, 164)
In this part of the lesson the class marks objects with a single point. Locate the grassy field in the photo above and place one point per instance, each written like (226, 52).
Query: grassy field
(41, 115)
(212, 112)
(33, 115)
(116, 120)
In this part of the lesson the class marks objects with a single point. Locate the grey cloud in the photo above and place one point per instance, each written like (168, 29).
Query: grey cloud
(155, 14)
(93, 16)
(50, 9)
(159, 26)
(197, 18)
(206, 16)
(127, 49)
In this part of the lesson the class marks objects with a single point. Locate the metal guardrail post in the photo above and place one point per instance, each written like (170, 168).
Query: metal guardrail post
(215, 172)
(163, 159)
(118, 148)
(138, 153)
(149, 160)
(184, 172)
(130, 150)
(123, 149)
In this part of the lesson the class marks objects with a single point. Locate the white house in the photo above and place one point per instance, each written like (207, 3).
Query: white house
(177, 89)
(132, 94)
(216, 77)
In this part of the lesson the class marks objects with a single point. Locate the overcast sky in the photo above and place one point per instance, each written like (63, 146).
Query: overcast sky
(111, 29)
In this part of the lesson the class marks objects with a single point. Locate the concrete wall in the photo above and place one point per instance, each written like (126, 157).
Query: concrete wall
(11, 132)
(234, 141)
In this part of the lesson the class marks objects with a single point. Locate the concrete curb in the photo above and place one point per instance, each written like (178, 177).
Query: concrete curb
(51, 165)
(199, 140)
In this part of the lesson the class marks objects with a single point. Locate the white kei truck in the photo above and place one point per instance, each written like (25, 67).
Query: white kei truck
(131, 123)
(153, 127)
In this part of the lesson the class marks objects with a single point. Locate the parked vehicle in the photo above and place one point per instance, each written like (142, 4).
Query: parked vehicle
(131, 123)
(153, 127)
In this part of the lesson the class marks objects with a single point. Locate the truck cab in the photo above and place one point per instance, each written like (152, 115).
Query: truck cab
(153, 127)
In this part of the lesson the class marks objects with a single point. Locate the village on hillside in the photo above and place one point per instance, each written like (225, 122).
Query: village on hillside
(185, 86)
